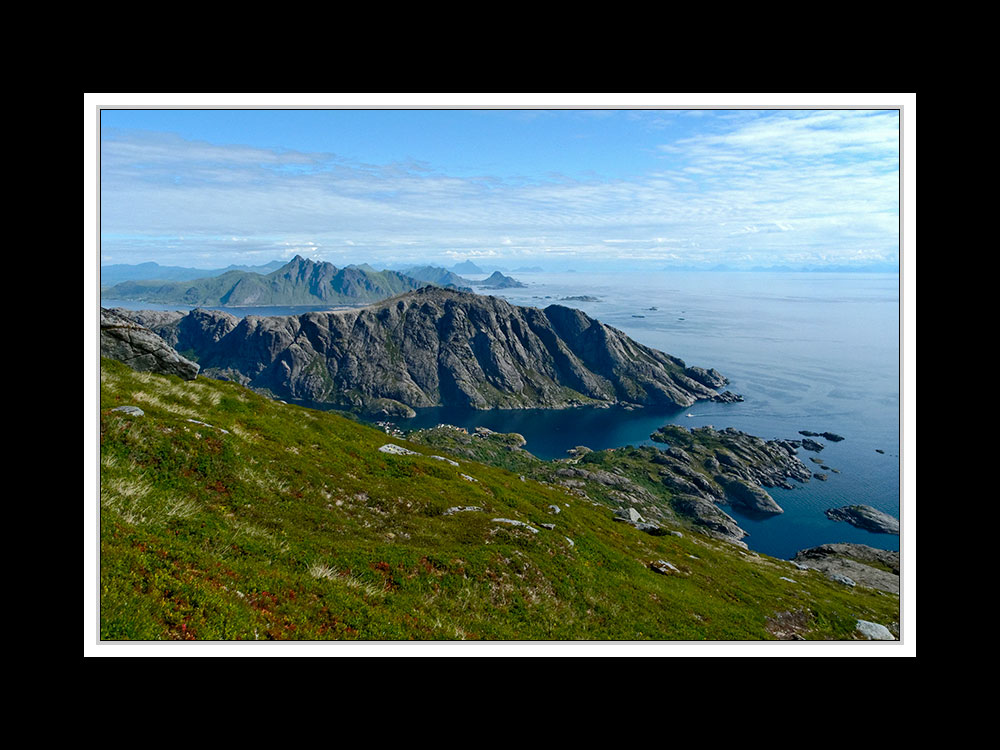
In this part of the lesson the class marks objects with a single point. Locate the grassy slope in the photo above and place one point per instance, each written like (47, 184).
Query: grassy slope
(279, 522)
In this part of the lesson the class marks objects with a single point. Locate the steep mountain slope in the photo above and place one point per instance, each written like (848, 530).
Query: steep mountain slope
(225, 515)
(440, 347)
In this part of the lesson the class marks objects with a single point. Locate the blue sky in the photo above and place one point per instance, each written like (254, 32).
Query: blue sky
(557, 188)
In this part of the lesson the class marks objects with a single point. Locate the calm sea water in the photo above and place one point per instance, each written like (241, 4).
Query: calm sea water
(815, 351)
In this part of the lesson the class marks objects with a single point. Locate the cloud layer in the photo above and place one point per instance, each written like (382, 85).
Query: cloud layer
(741, 188)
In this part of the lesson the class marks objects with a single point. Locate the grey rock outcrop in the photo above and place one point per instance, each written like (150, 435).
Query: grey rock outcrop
(748, 496)
(710, 518)
(397, 450)
(865, 517)
(629, 515)
(861, 564)
(141, 349)
(710, 378)
(197, 330)
(873, 631)
(727, 397)
(132, 411)
(664, 567)
(513, 522)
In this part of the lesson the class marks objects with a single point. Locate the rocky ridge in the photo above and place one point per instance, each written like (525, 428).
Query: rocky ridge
(135, 345)
(435, 347)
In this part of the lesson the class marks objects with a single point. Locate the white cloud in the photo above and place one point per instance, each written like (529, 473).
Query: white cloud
(772, 185)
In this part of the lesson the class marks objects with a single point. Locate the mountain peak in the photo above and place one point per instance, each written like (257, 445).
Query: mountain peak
(444, 347)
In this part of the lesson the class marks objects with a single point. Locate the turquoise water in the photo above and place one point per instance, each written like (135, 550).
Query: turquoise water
(808, 351)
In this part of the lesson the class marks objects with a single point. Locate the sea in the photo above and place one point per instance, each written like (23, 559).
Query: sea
(808, 351)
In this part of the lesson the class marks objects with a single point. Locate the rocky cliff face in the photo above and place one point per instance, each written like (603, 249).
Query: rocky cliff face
(438, 347)
(137, 346)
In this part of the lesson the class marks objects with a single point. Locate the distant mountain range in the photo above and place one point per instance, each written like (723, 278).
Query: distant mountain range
(471, 269)
(298, 282)
(438, 276)
(119, 272)
(468, 267)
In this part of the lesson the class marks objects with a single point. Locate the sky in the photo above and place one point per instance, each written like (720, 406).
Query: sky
(586, 187)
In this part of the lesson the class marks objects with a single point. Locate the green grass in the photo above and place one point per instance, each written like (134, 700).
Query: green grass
(272, 521)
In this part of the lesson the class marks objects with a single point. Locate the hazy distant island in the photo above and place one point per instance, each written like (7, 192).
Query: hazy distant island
(298, 282)
(467, 268)
(438, 277)
(118, 272)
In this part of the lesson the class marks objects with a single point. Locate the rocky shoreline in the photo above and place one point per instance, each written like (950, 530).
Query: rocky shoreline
(865, 517)
(854, 565)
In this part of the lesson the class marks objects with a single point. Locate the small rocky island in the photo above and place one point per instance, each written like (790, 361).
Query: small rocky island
(865, 517)
(831, 436)
(498, 281)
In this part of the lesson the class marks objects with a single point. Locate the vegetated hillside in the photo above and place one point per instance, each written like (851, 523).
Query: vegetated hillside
(226, 515)
(436, 347)
(299, 282)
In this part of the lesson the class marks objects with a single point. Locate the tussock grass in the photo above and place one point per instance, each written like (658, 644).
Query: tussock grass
(319, 570)
(244, 434)
(135, 501)
(152, 400)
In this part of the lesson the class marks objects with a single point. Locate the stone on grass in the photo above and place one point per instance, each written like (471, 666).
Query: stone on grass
(132, 411)
(874, 632)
